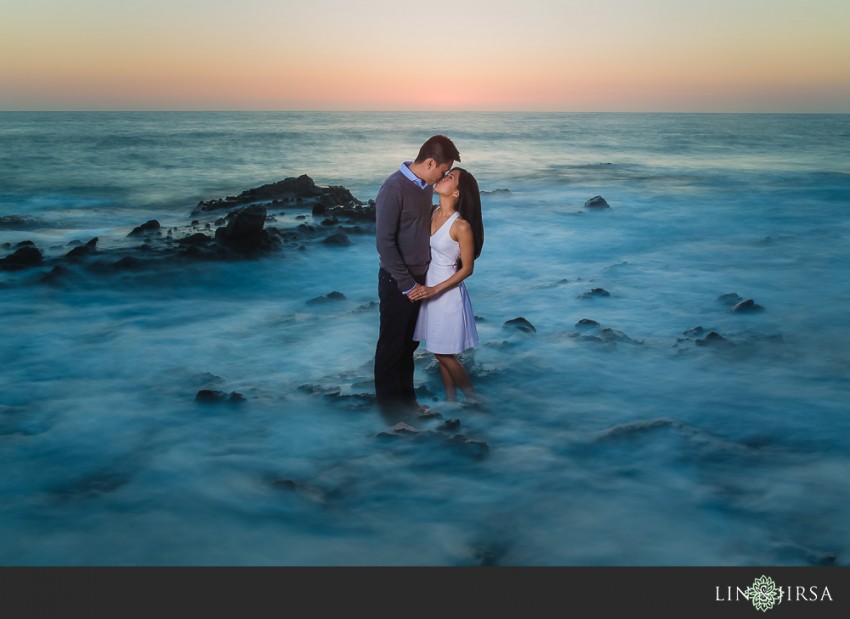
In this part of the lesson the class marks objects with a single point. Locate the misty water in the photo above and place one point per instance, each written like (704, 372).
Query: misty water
(649, 424)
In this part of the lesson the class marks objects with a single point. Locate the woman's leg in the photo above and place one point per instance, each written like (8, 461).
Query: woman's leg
(454, 376)
(448, 383)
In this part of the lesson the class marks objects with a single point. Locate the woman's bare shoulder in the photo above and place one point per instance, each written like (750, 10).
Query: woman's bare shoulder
(460, 227)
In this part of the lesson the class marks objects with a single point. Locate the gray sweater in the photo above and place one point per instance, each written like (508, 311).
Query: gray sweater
(403, 222)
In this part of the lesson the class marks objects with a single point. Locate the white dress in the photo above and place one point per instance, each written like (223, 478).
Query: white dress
(446, 323)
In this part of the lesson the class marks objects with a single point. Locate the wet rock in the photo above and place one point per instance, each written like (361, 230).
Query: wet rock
(55, 276)
(148, 227)
(330, 297)
(605, 335)
(128, 263)
(695, 332)
(198, 239)
(730, 298)
(338, 239)
(587, 323)
(469, 447)
(83, 251)
(746, 307)
(244, 232)
(288, 190)
(317, 389)
(594, 294)
(597, 202)
(23, 258)
(519, 324)
(611, 336)
(635, 428)
(449, 425)
(713, 339)
(211, 396)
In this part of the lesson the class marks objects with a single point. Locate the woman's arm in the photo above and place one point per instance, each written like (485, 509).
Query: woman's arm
(461, 232)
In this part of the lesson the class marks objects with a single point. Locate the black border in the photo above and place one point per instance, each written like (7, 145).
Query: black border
(400, 592)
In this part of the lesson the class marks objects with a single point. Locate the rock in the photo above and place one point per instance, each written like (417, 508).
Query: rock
(520, 324)
(148, 227)
(597, 202)
(747, 306)
(610, 336)
(55, 275)
(404, 428)
(713, 339)
(595, 293)
(82, 251)
(287, 190)
(449, 425)
(128, 263)
(23, 258)
(244, 233)
(587, 323)
(210, 396)
(331, 296)
(730, 298)
(338, 239)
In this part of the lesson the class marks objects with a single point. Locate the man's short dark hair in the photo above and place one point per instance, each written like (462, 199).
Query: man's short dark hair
(439, 148)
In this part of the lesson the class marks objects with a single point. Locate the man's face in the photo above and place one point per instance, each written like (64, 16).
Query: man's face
(436, 171)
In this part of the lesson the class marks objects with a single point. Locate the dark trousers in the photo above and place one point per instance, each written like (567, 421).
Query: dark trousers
(394, 352)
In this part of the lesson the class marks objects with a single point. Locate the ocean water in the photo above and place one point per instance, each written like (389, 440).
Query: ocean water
(638, 439)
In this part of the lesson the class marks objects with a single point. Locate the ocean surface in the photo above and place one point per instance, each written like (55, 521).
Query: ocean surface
(642, 422)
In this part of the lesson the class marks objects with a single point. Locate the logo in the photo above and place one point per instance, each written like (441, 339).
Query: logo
(764, 594)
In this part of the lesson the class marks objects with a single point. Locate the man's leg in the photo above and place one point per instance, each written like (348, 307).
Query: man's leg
(394, 350)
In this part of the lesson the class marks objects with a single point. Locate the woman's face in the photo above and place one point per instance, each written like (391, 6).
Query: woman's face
(447, 185)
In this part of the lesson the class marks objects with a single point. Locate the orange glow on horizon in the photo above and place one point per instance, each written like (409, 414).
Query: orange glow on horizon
(606, 55)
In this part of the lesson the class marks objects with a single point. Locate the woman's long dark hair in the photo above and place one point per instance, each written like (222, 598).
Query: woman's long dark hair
(469, 207)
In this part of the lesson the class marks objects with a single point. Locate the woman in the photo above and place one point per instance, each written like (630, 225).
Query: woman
(446, 323)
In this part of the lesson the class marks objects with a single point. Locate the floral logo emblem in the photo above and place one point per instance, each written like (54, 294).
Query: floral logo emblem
(764, 594)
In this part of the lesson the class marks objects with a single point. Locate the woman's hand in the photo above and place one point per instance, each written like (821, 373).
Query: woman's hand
(420, 293)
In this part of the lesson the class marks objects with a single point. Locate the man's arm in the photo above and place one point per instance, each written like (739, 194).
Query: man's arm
(387, 217)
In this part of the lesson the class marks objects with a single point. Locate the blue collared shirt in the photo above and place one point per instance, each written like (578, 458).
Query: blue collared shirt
(405, 169)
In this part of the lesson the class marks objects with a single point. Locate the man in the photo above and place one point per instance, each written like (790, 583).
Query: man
(403, 221)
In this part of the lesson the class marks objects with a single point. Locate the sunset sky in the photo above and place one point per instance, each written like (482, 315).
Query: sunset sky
(527, 55)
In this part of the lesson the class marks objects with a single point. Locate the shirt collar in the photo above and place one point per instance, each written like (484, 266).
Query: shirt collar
(405, 169)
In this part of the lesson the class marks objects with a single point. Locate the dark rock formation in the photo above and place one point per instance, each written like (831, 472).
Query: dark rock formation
(713, 339)
(337, 239)
(244, 232)
(730, 298)
(23, 258)
(519, 324)
(240, 234)
(587, 323)
(210, 396)
(83, 251)
(330, 297)
(597, 202)
(149, 227)
(283, 192)
(747, 306)
(595, 293)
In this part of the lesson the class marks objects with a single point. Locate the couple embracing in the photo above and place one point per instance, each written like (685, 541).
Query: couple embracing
(425, 252)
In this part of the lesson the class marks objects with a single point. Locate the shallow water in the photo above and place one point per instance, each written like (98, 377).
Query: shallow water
(644, 444)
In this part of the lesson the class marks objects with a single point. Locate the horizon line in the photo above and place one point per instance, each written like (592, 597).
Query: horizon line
(483, 111)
